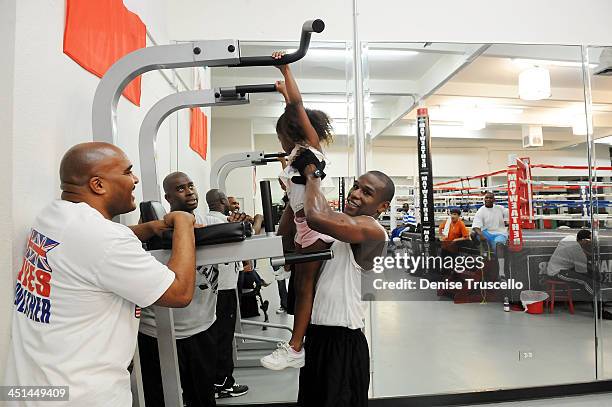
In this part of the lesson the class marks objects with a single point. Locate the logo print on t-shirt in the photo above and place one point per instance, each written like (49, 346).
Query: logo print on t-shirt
(211, 277)
(34, 279)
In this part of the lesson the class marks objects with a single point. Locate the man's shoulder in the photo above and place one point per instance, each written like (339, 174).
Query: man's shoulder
(82, 232)
(79, 219)
(213, 218)
(375, 223)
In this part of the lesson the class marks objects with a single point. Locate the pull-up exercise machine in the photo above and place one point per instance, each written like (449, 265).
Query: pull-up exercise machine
(104, 112)
(219, 172)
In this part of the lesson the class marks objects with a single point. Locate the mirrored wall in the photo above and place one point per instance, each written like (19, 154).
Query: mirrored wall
(495, 113)
(529, 123)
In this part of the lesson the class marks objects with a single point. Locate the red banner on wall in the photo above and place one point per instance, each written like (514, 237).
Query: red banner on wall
(515, 233)
(198, 132)
(98, 33)
(525, 192)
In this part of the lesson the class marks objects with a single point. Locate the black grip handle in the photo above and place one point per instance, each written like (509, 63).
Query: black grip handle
(275, 155)
(294, 258)
(266, 204)
(268, 87)
(234, 91)
(308, 28)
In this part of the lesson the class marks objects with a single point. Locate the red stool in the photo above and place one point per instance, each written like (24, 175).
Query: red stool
(558, 290)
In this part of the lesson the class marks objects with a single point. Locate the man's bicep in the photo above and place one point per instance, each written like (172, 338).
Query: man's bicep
(349, 229)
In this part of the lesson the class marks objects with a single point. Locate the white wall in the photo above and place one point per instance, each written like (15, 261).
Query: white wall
(7, 49)
(49, 105)
(186, 159)
(477, 21)
(256, 20)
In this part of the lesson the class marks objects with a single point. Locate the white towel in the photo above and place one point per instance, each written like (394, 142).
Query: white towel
(447, 226)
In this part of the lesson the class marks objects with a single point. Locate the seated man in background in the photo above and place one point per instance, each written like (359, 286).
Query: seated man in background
(84, 277)
(489, 226)
(453, 231)
(234, 204)
(257, 221)
(570, 263)
(196, 342)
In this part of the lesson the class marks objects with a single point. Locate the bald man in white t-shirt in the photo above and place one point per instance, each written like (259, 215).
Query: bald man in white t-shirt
(84, 278)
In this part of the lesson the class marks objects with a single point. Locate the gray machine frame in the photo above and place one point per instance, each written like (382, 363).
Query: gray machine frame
(104, 126)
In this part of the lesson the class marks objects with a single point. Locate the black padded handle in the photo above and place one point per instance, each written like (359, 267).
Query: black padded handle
(234, 91)
(275, 155)
(308, 28)
(266, 204)
(268, 87)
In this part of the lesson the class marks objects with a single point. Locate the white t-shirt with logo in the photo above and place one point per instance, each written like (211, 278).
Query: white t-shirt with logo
(200, 314)
(76, 310)
(228, 272)
(491, 219)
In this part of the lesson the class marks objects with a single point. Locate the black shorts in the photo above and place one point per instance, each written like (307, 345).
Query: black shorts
(196, 358)
(337, 369)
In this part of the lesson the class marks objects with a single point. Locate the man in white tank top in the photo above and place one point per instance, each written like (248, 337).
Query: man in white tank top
(337, 372)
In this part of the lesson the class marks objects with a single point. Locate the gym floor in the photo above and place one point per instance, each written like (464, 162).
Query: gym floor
(475, 345)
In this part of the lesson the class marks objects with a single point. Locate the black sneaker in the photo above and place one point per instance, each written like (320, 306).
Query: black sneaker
(235, 391)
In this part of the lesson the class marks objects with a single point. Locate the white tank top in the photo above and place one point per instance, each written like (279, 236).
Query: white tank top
(337, 299)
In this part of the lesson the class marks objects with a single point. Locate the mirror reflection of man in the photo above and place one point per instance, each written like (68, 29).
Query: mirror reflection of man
(234, 204)
(256, 221)
(570, 263)
(453, 231)
(227, 304)
(489, 226)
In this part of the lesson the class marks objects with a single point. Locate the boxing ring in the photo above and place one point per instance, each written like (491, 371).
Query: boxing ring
(541, 212)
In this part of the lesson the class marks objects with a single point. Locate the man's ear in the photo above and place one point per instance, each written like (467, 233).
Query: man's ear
(383, 207)
(97, 185)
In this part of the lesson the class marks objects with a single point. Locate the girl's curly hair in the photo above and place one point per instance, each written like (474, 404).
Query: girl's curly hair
(288, 125)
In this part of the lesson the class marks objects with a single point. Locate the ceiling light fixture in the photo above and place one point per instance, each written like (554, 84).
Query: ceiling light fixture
(534, 84)
(532, 136)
